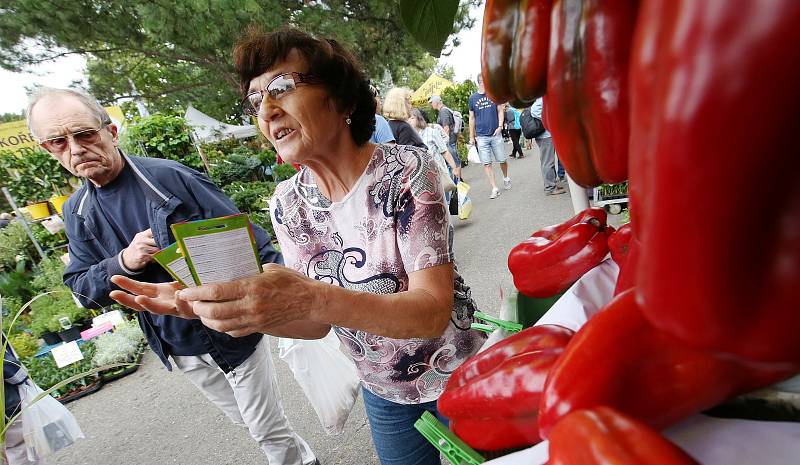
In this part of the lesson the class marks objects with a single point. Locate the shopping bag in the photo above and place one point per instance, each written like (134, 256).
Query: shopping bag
(444, 173)
(472, 155)
(453, 207)
(464, 202)
(327, 376)
(47, 426)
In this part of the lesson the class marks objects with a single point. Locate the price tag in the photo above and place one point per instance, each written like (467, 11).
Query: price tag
(67, 354)
(115, 317)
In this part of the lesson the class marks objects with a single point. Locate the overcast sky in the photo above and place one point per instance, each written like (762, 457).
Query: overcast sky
(465, 61)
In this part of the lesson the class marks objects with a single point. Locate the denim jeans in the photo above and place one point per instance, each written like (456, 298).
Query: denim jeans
(491, 147)
(393, 434)
(454, 153)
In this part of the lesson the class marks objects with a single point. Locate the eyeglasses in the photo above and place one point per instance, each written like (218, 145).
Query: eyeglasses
(277, 87)
(84, 137)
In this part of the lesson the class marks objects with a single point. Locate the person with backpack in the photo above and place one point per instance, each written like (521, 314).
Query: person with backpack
(514, 131)
(534, 129)
(453, 124)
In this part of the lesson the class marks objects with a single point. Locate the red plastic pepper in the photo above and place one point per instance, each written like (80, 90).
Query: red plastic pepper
(587, 87)
(514, 47)
(619, 360)
(714, 157)
(602, 436)
(624, 251)
(555, 257)
(492, 399)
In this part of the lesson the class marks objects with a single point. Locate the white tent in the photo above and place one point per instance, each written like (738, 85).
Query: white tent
(207, 129)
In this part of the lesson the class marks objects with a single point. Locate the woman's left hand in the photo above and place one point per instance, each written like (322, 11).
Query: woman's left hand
(276, 297)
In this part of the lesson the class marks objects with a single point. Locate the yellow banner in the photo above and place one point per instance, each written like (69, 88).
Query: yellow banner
(433, 86)
(16, 138)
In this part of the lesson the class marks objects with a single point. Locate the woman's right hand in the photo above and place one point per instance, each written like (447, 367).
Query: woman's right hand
(157, 298)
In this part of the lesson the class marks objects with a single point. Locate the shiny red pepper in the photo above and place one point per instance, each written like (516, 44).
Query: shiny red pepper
(624, 251)
(603, 436)
(492, 399)
(587, 87)
(713, 184)
(514, 47)
(619, 360)
(556, 256)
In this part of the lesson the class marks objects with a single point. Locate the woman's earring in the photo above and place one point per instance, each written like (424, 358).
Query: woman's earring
(348, 121)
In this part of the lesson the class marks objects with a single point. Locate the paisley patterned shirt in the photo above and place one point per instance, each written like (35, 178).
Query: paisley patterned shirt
(392, 222)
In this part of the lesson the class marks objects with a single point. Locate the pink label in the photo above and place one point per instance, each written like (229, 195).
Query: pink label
(97, 330)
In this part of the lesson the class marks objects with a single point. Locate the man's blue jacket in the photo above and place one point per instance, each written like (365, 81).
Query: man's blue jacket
(173, 194)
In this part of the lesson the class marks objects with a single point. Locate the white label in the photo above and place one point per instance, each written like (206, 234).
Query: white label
(66, 354)
(114, 317)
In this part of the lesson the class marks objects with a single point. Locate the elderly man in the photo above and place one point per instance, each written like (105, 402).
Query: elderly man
(115, 224)
(447, 121)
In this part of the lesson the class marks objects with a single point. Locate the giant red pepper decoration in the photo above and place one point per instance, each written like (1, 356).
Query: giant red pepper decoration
(554, 257)
(602, 436)
(714, 166)
(624, 250)
(587, 87)
(514, 50)
(492, 400)
(618, 359)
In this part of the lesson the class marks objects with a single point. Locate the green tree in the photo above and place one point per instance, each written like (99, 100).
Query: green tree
(179, 51)
(11, 117)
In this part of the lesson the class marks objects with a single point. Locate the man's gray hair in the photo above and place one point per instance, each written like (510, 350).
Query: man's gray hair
(87, 99)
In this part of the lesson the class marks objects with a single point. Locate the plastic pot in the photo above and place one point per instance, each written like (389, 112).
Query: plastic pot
(71, 334)
(51, 338)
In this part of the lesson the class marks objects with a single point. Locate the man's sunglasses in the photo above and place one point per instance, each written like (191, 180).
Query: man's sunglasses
(277, 87)
(84, 137)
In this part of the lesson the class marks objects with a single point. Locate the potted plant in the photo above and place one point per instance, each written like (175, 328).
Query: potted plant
(34, 178)
(49, 311)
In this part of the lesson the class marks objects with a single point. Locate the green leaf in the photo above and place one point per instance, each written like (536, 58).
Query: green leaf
(430, 22)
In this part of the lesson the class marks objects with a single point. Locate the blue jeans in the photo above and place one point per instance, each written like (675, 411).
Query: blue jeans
(393, 434)
(491, 147)
(454, 153)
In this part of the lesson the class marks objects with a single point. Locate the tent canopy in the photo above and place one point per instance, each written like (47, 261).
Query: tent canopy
(207, 129)
(433, 86)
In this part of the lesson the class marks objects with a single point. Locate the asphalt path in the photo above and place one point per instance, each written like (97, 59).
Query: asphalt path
(155, 417)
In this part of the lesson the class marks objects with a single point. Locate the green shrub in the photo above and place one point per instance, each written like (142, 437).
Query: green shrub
(13, 242)
(46, 311)
(283, 171)
(263, 219)
(237, 167)
(250, 196)
(46, 374)
(45, 239)
(49, 275)
(162, 136)
(24, 344)
(10, 307)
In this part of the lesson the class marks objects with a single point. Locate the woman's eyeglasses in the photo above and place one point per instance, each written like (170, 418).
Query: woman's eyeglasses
(85, 137)
(277, 87)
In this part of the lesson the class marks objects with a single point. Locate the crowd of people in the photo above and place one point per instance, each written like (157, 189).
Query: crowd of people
(363, 227)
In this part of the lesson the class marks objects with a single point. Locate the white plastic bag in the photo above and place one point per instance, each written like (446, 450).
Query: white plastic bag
(47, 426)
(328, 377)
(472, 155)
(444, 173)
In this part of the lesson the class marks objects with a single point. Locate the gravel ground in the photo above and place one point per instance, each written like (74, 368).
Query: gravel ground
(156, 417)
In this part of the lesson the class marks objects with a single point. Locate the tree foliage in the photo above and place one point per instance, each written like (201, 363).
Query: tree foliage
(179, 51)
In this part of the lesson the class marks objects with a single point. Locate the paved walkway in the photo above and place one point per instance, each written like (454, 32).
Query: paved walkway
(155, 417)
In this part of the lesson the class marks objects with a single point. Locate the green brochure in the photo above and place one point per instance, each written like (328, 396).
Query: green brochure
(172, 260)
(218, 249)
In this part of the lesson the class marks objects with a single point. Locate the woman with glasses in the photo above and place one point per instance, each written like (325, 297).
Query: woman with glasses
(364, 235)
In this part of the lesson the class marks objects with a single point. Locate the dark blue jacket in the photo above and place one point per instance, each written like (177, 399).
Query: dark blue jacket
(173, 193)
(14, 374)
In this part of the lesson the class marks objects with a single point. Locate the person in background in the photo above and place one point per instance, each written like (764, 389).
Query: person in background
(547, 154)
(397, 109)
(118, 220)
(5, 220)
(383, 132)
(364, 233)
(485, 123)
(447, 121)
(514, 131)
(434, 138)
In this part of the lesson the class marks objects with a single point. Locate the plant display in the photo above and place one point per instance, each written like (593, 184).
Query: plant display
(46, 311)
(34, 177)
(240, 166)
(120, 346)
(47, 240)
(14, 242)
(283, 171)
(250, 196)
(49, 275)
(46, 374)
(24, 344)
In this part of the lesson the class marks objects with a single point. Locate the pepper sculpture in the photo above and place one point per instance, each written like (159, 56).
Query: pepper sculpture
(619, 360)
(718, 215)
(603, 436)
(514, 45)
(492, 399)
(554, 257)
(625, 252)
(587, 87)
